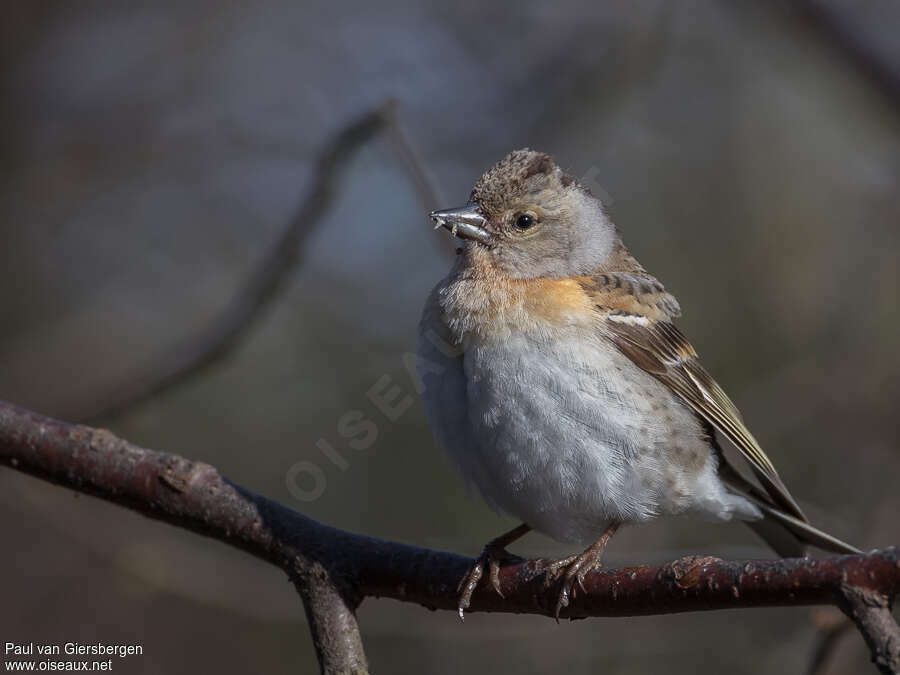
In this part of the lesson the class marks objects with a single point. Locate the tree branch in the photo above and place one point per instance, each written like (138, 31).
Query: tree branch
(334, 570)
(332, 622)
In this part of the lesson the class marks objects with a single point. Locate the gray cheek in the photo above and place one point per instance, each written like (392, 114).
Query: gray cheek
(547, 256)
(594, 236)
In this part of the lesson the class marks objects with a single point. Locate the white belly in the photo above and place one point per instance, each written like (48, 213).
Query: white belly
(568, 435)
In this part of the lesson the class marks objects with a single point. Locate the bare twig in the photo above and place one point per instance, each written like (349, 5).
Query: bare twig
(334, 569)
(219, 338)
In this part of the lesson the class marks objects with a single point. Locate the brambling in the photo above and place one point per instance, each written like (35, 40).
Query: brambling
(553, 375)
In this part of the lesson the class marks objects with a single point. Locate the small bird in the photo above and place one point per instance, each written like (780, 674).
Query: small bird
(554, 377)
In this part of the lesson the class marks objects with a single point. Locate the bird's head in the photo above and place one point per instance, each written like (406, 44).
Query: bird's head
(530, 219)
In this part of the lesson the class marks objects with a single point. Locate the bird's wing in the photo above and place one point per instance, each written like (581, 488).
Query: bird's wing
(656, 345)
(631, 292)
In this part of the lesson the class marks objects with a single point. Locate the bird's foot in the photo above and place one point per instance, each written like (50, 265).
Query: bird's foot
(575, 567)
(489, 561)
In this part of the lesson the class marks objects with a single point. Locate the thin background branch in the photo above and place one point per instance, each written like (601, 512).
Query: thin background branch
(270, 277)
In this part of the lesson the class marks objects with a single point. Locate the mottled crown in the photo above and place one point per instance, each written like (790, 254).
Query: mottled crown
(513, 175)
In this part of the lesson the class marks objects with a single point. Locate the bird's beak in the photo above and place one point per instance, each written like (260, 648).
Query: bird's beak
(465, 222)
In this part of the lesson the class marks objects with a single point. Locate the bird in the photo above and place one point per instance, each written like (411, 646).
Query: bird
(553, 375)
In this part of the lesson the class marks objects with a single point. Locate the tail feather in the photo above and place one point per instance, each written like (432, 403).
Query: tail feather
(787, 535)
(802, 531)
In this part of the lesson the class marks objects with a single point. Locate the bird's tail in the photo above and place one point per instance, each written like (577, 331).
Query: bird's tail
(789, 536)
(786, 534)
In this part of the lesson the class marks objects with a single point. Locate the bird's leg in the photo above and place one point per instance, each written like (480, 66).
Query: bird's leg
(577, 566)
(489, 560)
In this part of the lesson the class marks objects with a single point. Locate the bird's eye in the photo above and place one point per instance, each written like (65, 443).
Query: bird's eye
(524, 221)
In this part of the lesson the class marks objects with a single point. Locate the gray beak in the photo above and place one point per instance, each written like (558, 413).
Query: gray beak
(465, 222)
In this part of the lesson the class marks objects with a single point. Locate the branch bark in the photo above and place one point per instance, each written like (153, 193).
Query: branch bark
(334, 570)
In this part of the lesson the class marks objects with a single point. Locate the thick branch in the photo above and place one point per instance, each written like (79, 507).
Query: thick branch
(330, 563)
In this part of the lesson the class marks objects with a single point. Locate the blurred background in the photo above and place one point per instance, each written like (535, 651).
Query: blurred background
(157, 156)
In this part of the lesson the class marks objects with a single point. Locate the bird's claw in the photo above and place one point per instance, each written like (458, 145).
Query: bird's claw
(488, 560)
(568, 590)
(575, 569)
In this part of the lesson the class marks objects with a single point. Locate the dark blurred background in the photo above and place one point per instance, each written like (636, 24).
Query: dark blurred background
(154, 153)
